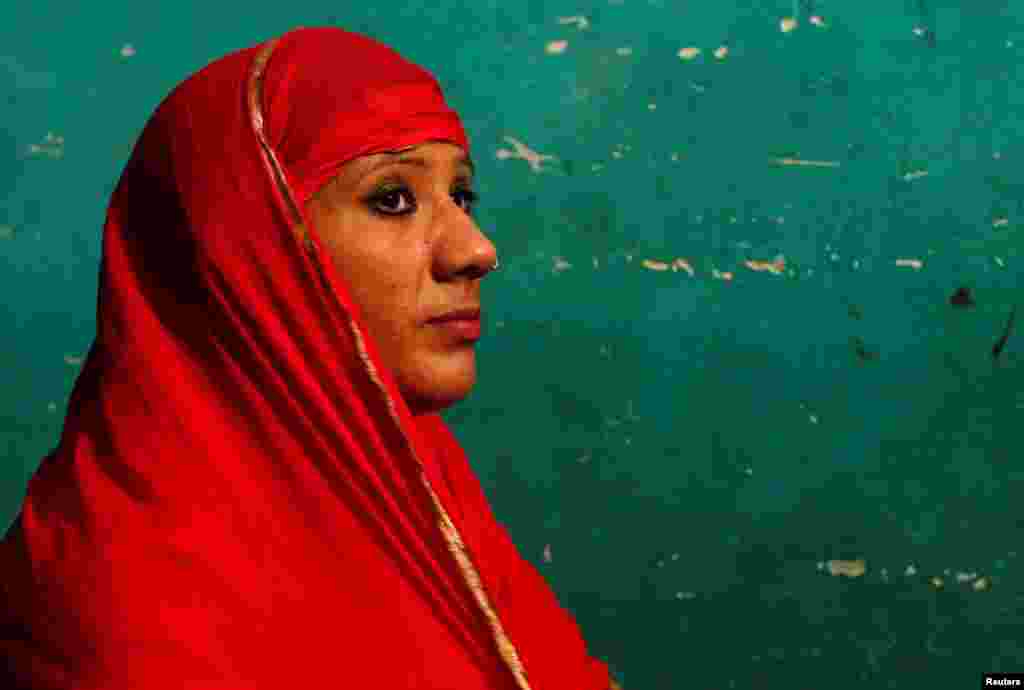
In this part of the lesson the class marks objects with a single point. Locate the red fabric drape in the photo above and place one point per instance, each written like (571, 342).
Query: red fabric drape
(240, 496)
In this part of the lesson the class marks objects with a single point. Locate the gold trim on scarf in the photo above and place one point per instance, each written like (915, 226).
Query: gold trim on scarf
(451, 534)
(255, 94)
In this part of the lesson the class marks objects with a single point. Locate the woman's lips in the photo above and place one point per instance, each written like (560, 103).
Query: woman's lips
(463, 329)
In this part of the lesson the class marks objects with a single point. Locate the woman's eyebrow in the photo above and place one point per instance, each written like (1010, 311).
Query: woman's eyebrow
(417, 161)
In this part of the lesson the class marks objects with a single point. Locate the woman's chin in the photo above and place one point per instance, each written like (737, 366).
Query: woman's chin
(443, 380)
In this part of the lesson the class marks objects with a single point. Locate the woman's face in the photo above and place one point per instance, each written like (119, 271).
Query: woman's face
(399, 230)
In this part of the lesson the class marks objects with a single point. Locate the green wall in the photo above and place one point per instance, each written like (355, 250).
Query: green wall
(694, 450)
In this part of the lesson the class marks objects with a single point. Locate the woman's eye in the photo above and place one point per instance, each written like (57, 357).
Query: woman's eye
(389, 202)
(469, 197)
(398, 202)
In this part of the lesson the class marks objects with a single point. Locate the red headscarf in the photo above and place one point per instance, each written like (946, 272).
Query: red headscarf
(241, 498)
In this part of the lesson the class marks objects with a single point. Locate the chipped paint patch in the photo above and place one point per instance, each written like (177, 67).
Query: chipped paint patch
(776, 267)
(682, 264)
(854, 568)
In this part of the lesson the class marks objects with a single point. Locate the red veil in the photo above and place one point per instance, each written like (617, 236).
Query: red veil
(240, 498)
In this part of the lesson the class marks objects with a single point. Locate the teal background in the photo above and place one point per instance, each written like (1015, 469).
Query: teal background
(692, 449)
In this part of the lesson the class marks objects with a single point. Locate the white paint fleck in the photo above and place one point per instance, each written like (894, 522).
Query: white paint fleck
(910, 263)
(52, 146)
(547, 553)
(910, 571)
(127, 50)
(806, 163)
(721, 52)
(523, 152)
(624, 51)
(579, 20)
(689, 53)
(556, 47)
(787, 24)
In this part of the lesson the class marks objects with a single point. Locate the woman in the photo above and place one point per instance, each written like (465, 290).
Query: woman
(254, 488)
